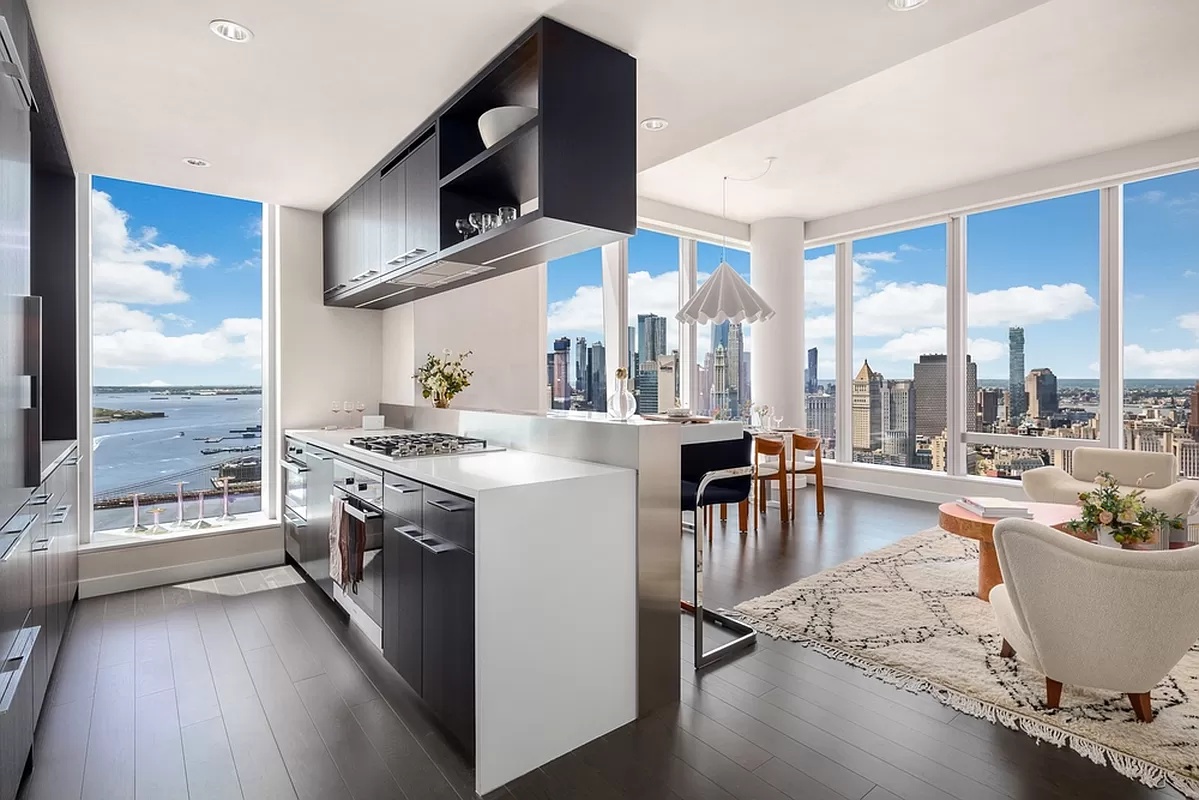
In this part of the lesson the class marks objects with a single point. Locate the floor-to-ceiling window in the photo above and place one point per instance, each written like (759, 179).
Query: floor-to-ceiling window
(575, 355)
(1161, 317)
(723, 351)
(1032, 316)
(820, 339)
(899, 349)
(653, 355)
(176, 357)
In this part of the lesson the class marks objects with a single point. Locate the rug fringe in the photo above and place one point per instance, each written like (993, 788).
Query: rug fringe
(1130, 766)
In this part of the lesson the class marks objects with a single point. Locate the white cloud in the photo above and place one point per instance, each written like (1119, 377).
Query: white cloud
(820, 281)
(154, 384)
(1189, 322)
(910, 248)
(234, 338)
(108, 317)
(1175, 363)
(178, 319)
(1151, 196)
(884, 256)
(128, 269)
(911, 345)
(1190, 273)
(1028, 305)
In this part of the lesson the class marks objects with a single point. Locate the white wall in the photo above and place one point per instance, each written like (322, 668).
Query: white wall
(324, 354)
(502, 320)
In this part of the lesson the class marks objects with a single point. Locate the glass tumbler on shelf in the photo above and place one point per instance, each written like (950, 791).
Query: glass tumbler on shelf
(491, 221)
(464, 227)
(475, 220)
(507, 214)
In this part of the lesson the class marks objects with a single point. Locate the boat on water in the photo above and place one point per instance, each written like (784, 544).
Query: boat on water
(232, 398)
(160, 397)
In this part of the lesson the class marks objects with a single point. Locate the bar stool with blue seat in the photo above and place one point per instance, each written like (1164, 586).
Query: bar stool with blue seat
(715, 473)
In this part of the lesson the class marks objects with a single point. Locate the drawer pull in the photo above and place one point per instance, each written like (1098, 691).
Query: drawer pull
(401, 488)
(431, 543)
(451, 505)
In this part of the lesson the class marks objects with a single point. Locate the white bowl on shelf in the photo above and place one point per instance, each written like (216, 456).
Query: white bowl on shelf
(499, 122)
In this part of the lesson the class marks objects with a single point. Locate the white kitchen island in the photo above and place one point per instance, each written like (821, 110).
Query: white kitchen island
(555, 602)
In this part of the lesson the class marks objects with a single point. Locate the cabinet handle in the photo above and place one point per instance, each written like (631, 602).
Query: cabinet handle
(60, 515)
(41, 499)
(11, 66)
(361, 514)
(431, 543)
(401, 488)
(451, 505)
(24, 523)
(292, 467)
(15, 666)
(295, 522)
(320, 457)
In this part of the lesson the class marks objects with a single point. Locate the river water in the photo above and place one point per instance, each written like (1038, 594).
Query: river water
(151, 454)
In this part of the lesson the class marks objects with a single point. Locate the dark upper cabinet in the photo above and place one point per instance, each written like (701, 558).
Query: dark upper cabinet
(372, 261)
(394, 215)
(332, 250)
(572, 168)
(421, 230)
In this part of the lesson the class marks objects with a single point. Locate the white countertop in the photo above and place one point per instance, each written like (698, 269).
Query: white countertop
(467, 474)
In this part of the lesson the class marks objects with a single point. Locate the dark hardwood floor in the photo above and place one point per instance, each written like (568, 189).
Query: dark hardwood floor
(254, 686)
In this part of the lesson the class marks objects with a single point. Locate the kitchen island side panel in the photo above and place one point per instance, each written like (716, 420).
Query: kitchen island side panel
(556, 620)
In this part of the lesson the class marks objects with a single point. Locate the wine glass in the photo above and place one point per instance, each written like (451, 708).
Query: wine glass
(475, 219)
(464, 227)
(361, 411)
(778, 420)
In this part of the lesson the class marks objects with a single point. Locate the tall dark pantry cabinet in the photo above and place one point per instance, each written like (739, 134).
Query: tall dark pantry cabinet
(39, 489)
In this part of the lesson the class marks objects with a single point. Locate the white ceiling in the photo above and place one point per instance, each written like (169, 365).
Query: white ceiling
(326, 89)
(1065, 79)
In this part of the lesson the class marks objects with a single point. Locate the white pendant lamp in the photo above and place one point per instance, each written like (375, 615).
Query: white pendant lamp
(725, 296)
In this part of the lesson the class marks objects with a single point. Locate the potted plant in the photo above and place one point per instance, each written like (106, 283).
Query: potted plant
(1119, 518)
(442, 377)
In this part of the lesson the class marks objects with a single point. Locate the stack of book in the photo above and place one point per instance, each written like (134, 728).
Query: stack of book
(995, 507)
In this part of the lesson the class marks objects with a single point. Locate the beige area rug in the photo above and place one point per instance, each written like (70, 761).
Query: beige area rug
(907, 614)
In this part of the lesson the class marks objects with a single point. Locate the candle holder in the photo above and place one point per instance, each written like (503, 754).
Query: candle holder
(226, 516)
(137, 526)
(179, 523)
(200, 523)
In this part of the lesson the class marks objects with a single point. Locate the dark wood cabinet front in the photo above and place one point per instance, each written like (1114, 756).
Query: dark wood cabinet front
(422, 236)
(394, 216)
(403, 588)
(449, 640)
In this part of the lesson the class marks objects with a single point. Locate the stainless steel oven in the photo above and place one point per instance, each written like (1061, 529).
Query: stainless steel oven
(361, 491)
(295, 478)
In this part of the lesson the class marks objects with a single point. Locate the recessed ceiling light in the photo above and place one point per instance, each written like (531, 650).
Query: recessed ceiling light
(195, 162)
(230, 30)
(654, 123)
(905, 5)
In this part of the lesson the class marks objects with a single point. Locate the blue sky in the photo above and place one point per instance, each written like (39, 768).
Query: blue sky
(177, 286)
(1035, 265)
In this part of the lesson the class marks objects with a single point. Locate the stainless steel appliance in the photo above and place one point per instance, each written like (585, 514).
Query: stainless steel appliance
(307, 484)
(295, 499)
(415, 445)
(361, 491)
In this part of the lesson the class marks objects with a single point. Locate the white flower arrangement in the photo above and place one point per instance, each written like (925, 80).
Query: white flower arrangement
(442, 377)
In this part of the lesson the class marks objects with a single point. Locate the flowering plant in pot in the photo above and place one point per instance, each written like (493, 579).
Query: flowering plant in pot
(441, 377)
(1113, 515)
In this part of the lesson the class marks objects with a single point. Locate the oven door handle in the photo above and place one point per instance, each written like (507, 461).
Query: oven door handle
(295, 521)
(361, 514)
(293, 467)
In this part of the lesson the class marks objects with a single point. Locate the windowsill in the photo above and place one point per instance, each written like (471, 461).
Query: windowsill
(105, 540)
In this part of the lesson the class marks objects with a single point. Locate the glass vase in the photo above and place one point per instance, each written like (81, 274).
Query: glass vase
(621, 403)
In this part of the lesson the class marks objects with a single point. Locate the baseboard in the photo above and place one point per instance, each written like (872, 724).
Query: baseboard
(108, 571)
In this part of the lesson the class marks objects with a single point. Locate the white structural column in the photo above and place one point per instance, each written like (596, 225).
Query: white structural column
(959, 405)
(776, 267)
(688, 339)
(844, 343)
(1111, 316)
(616, 309)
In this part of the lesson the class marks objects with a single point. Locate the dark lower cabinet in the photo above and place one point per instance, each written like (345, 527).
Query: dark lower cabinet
(448, 640)
(403, 601)
(429, 599)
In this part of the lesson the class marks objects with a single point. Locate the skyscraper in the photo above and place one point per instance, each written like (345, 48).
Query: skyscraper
(720, 335)
(898, 403)
(867, 409)
(720, 382)
(1017, 402)
(597, 383)
(929, 374)
(734, 354)
(1040, 387)
(1193, 421)
(988, 407)
(560, 379)
(651, 337)
(630, 363)
(810, 379)
(822, 415)
(666, 383)
(647, 388)
(581, 364)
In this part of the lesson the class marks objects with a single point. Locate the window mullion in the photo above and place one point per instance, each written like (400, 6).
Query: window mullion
(1111, 316)
(956, 399)
(843, 312)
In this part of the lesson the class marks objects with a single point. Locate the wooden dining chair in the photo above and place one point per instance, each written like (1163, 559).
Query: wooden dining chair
(804, 444)
(770, 447)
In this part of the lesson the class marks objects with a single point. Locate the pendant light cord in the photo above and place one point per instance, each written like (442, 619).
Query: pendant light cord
(724, 203)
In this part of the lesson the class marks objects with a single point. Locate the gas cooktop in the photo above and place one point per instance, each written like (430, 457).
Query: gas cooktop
(414, 445)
